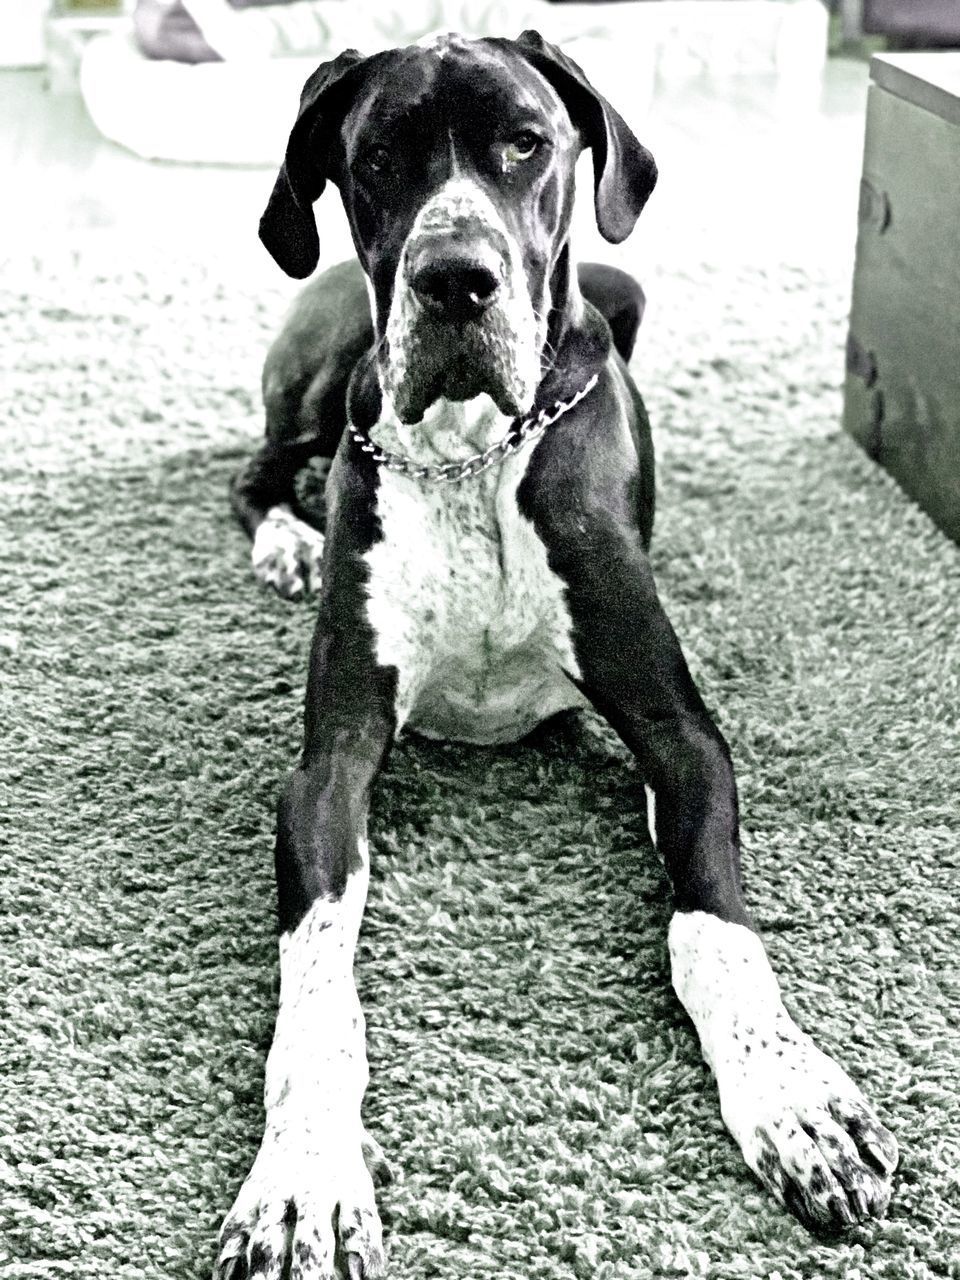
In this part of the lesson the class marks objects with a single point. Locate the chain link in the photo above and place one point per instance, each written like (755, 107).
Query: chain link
(466, 468)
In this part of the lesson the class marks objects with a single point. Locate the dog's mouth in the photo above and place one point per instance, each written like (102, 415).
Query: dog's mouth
(441, 359)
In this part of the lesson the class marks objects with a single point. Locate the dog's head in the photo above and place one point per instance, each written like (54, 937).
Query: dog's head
(455, 162)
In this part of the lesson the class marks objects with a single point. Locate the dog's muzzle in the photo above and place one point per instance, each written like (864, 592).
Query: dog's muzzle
(461, 320)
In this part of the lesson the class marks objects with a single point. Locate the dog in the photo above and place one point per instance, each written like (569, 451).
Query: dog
(489, 507)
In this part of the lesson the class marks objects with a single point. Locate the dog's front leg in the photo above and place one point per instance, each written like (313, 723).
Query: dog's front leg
(803, 1125)
(307, 1208)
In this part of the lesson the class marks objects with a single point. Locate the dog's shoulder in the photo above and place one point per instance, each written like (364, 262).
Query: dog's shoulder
(595, 466)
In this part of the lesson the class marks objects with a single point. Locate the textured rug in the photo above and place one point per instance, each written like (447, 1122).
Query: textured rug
(535, 1082)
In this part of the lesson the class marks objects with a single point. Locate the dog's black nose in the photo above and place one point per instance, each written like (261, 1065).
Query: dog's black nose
(455, 286)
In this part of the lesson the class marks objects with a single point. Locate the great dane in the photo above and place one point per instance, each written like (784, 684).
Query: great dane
(485, 564)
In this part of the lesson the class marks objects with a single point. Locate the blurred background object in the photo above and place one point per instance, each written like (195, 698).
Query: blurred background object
(689, 75)
(758, 133)
(906, 23)
(21, 32)
(166, 29)
(150, 86)
(68, 26)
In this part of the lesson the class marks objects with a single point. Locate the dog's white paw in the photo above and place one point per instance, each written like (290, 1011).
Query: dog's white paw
(804, 1127)
(287, 554)
(307, 1210)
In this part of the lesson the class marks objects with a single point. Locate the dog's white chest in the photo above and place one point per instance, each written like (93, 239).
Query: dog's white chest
(465, 606)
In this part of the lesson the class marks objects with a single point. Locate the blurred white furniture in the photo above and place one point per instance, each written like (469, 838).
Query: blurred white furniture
(240, 112)
(21, 32)
(68, 29)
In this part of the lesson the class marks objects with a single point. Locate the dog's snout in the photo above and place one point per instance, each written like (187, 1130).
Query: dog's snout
(455, 284)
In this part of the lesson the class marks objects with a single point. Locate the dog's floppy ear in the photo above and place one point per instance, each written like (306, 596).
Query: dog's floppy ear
(288, 228)
(624, 171)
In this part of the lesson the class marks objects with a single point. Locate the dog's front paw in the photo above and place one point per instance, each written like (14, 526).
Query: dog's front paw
(805, 1128)
(307, 1211)
(287, 553)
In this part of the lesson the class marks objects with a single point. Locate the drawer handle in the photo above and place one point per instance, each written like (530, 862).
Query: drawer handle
(861, 362)
(875, 209)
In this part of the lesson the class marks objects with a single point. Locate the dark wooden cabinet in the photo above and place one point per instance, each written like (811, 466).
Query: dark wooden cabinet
(902, 391)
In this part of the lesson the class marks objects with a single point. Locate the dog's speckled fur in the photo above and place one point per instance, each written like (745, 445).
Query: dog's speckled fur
(287, 553)
(508, 344)
(310, 1192)
(794, 1111)
(461, 598)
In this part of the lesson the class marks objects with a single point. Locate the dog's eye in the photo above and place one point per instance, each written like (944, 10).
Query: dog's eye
(521, 147)
(377, 158)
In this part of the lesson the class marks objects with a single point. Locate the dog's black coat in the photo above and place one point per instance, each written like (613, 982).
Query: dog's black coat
(587, 491)
(595, 465)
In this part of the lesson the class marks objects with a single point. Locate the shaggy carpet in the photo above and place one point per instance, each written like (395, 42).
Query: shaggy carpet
(535, 1082)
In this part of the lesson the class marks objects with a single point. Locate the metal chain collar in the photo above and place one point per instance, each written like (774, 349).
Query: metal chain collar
(466, 468)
